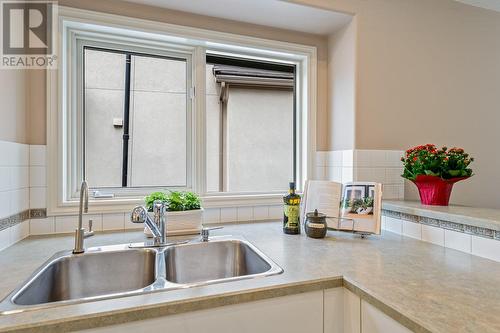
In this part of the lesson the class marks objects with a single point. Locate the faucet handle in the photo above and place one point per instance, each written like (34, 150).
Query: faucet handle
(90, 232)
(205, 232)
(138, 215)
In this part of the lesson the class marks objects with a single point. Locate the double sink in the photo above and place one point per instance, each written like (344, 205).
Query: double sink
(122, 270)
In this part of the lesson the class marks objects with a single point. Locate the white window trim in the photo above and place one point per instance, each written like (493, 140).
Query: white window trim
(196, 41)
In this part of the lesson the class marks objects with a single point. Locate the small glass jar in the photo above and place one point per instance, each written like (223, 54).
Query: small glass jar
(315, 224)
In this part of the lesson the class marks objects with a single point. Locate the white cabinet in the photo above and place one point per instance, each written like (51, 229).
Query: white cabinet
(342, 311)
(291, 314)
(375, 321)
(326, 311)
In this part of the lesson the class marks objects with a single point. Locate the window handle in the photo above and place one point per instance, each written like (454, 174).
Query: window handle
(101, 195)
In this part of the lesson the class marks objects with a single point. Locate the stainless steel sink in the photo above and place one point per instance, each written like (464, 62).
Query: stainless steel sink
(94, 274)
(212, 262)
(123, 270)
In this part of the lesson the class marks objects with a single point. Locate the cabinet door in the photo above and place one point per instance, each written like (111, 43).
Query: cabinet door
(291, 314)
(342, 311)
(375, 321)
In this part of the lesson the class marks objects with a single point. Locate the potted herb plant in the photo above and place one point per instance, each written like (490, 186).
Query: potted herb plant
(184, 211)
(434, 171)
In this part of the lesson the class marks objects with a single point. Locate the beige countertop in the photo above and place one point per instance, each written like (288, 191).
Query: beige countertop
(426, 287)
(474, 216)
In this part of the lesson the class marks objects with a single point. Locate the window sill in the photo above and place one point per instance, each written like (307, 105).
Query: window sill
(120, 205)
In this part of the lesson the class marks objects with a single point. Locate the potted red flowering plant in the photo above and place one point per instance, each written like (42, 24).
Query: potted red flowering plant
(434, 171)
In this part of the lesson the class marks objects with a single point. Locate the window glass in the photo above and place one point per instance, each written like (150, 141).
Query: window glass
(104, 98)
(250, 140)
(158, 123)
(259, 140)
(156, 152)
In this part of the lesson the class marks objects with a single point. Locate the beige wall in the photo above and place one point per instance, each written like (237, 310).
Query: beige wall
(429, 71)
(13, 109)
(36, 122)
(342, 87)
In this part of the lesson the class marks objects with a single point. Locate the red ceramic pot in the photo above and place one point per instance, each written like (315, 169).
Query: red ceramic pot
(434, 190)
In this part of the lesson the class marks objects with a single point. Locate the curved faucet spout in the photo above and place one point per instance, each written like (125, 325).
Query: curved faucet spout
(80, 233)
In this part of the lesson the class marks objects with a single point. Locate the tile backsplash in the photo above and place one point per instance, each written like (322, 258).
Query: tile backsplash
(23, 188)
(14, 192)
(381, 166)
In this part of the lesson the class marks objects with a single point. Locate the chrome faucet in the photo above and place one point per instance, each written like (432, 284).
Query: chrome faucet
(158, 225)
(80, 233)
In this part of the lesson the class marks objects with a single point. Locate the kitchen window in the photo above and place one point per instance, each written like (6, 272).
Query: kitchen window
(139, 106)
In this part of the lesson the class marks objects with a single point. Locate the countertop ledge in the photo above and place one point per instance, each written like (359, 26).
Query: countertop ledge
(474, 216)
(425, 287)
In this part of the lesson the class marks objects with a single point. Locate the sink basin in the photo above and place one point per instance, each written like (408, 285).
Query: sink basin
(130, 269)
(93, 274)
(212, 261)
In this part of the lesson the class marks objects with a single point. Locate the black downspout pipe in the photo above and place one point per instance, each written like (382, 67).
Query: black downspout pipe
(126, 115)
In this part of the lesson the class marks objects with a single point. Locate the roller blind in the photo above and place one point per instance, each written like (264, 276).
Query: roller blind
(245, 76)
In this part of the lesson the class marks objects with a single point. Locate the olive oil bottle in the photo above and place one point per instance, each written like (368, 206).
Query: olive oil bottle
(291, 212)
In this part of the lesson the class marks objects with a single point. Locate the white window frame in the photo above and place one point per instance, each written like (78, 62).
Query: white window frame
(186, 40)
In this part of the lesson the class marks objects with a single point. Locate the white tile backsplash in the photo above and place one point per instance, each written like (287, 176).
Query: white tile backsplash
(381, 166)
(260, 213)
(347, 174)
(276, 212)
(19, 200)
(457, 240)
(5, 198)
(347, 158)
(229, 214)
(113, 221)
(411, 229)
(393, 225)
(393, 158)
(20, 177)
(5, 178)
(66, 224)
(321, 173)
(37, 176)
(362, 158)
(487, 248)
(211, 215)
(42, 226)
(17, 154)
(393, 175)
(19, 231)
(475, 245)
(23, 186)
(4, 238)
(245, 214)
(433, 235)
(38, 197)
(37, 155)
(334, 158)
(334, 174)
